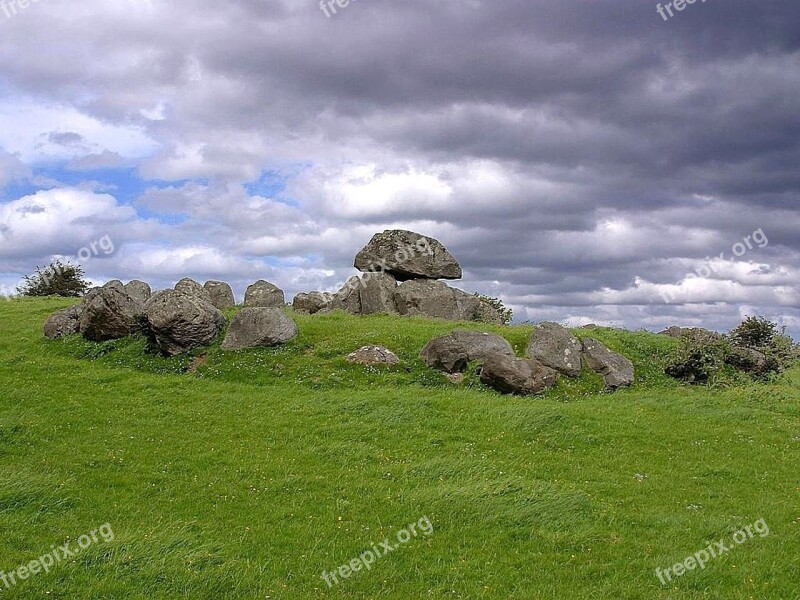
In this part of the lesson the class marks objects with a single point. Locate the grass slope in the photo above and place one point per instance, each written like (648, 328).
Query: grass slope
(245, 475)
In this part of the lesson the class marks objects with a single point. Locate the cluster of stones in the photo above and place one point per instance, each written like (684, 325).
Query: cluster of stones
(179, 320)
(402, 273)
(552, 351)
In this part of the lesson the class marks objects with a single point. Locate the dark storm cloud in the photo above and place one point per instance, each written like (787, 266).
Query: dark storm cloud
(572, 154)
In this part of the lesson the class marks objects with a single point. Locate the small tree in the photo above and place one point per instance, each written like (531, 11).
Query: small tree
(506, 314)
(57, 279)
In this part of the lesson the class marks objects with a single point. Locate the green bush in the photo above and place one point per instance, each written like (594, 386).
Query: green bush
(57, 279)
(506, 314)
(755, 347)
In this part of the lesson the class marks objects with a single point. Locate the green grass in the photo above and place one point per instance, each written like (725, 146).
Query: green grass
(245, 475)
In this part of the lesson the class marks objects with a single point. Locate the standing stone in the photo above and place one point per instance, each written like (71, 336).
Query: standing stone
(138, 290)
(521, 376)
(426, 297)
(376, 294)
(180, 321)
(263, 294)
(63, 322)
(555, 347)
(452, 353)
(349, 297)
(257, 327)
(220, 293)
(615, 368)
(109, 314)
(407, 255)
(188, 285)
(312, 302)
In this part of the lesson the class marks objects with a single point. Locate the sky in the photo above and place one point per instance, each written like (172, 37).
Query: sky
(594, 161)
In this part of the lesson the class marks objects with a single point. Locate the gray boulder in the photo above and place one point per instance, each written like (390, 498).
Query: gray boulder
(615, 368)
(257, 327)
(188, 285)
(427, 297)
(472, 308)
(376, 294)
(555, 347)
(180, 321)
(312, 302)
(349, 297)
(263, 294)
(63, 322)
(109, 313)
(220, 294)
(407, 255)
(520, 376)
(138, 290)
(373, 355)
(452, 352)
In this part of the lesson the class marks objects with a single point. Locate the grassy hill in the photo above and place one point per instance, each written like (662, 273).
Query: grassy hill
(245, 475)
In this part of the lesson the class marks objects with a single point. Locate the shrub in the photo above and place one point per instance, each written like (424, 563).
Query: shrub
(57, 279)
(506, 314)
(701, 357)
(762, 335)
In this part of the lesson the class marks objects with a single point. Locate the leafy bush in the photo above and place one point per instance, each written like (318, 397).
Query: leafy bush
(57, 279)
(762, 335)
(506, 314)
(755, 347)
(701, 357)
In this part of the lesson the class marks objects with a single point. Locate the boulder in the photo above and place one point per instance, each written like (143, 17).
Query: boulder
(428, 298)
(407, 255)
(190, 286)
(109, 313)
(179, 321)
(263, 294)
(220, 294)
(487, 313)
(63, 322)
(749, 360)
(555, 347)
(138, 290)
(520, 376)
(349, 297)
(256, 327)
(312, 302)
(373, 355)
(615, 368)
(376, 294)
(452, 352)
(472, 308)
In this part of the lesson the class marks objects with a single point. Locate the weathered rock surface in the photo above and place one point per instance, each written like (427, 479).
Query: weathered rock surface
(312, 302)
(407, 255)
(349, 297)
(520, 376)
(373, 355)
(220, 294)
(749, 360)
(615, 368)
(426, 297)
(555, 347)
(190, 286)
(138, 290)
(257, 327)
(63, 322)
(376, 294)
(263, 294)
(451, 353)
(109, 313)
(179, 321)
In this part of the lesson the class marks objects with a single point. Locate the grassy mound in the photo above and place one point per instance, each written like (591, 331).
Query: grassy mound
(245, 475)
